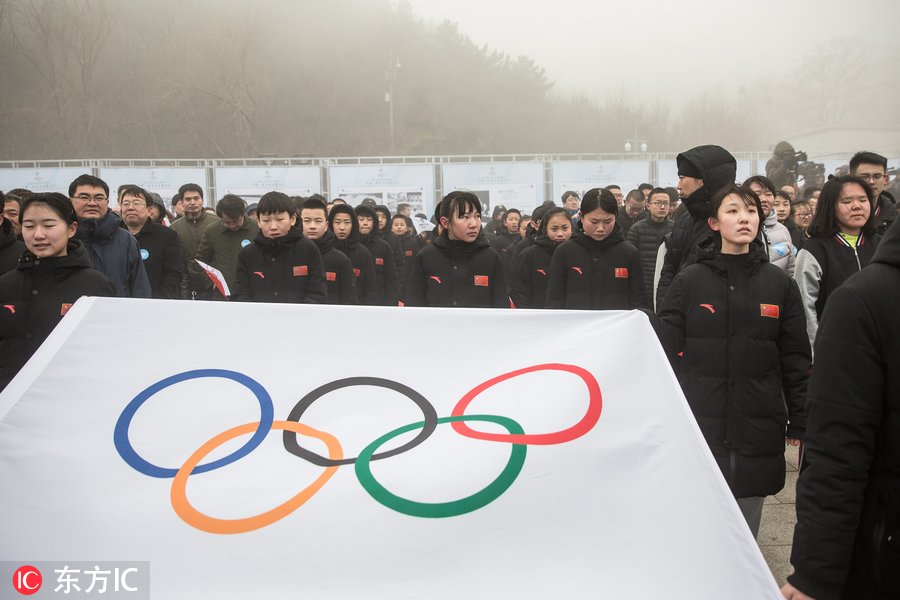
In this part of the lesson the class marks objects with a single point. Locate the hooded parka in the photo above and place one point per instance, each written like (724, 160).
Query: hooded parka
(718, 168)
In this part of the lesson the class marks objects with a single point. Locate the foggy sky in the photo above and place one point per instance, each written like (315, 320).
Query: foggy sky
(675, 48)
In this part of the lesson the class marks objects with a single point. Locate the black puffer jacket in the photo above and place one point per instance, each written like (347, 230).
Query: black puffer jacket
(340, 281)
(459, 274)
(409, 247)
(719, 169)
(359, 255)
(287, 269)
(847, 539)
(885, 212)
(528, 284)
(34, 298)
(10, 247)
(387, 280)
(504, 242)
(739, 323)
(601, 275)
(646, 235)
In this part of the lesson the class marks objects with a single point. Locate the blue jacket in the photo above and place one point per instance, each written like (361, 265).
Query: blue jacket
(115, 253)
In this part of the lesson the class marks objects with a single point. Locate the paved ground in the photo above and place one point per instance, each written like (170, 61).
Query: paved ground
(778, 518)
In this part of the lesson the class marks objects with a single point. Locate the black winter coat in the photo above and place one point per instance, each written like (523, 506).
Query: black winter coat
(163, 259)
(528, 283)
(646, 235)
(409, 247)
(798, 236)
(363, 269)
(600, 275)
(340, 281)
(739, 324)
(387, 281)
(719, 169)
(847, 539)
(10, 247)
(503, 243)
(626, 222)
(287, 269)
(885, 212)
(459, 274)
(34, 298)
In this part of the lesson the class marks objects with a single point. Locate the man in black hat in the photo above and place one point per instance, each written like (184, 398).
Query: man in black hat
(702, 171)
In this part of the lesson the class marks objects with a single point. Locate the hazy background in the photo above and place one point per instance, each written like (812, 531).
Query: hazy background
(243, 78)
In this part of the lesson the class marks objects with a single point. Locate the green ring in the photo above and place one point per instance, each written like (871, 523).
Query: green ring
(442, 509)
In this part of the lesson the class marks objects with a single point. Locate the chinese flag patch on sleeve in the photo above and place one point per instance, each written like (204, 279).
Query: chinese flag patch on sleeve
(379, 261)
(331, 276)
(769, 310)
(621, 273)
(301, 271)
(408, 253)
(64, 309)
(481, 280)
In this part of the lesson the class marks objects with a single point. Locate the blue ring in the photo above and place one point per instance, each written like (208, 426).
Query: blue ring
(136, 462)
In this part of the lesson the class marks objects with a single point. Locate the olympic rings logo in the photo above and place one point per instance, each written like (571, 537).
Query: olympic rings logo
(293, 427)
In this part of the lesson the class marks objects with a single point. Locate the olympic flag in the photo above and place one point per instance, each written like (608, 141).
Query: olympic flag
(537, 454)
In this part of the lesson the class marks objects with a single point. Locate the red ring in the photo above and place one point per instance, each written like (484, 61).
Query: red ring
(595, 407)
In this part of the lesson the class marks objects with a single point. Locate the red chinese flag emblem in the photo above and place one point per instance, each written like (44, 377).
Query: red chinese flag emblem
(379, 261)
(356, 272)
(301, 271)
(621, 273)
(481, 280)
(64, 309)
(408, 253)
(331, 276)
(769, 310)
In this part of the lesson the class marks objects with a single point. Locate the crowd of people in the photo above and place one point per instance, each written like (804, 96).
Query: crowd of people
(740, 282)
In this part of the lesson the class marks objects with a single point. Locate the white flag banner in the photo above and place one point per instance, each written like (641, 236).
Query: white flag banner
(216, 277)
(537, 454)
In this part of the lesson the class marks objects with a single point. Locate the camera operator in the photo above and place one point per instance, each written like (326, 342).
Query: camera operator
(782, 167)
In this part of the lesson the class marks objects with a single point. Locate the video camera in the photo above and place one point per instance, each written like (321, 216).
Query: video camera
(798, 166)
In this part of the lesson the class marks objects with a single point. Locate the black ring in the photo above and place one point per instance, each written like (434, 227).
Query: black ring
(428, 411)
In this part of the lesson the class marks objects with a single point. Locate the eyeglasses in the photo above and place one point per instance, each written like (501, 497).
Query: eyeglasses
(871, 176)
(99, 198)
(658, 203)
(133, 204)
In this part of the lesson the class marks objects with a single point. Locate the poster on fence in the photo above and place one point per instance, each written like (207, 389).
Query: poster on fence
(310, 467)
(41, 179)
(164, 181)
(583, 175)
(510, 184)
(250, 183)
(390, 185)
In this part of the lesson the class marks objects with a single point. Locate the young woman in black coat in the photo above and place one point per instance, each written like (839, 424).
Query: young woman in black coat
(528, 283)
(738, 325)
(403, 229)
(460, 269)
(52, 274)
(597, 268)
